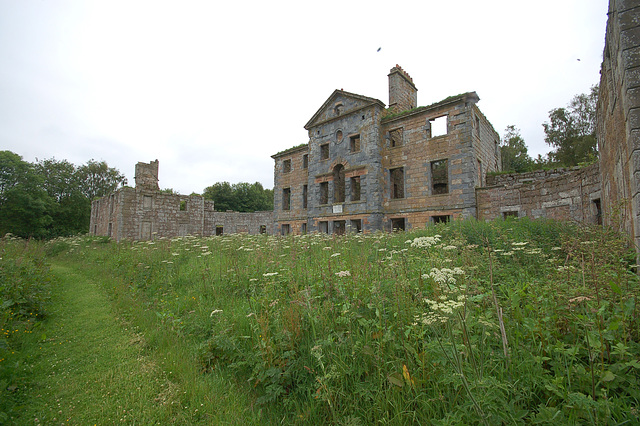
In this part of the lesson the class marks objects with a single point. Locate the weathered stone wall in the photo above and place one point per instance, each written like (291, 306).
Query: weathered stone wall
(398, 141)
(294, 181)
(468, 148)
(135, 214)
(142, 213)
(147, 176)
(360, 117)
(561, 194)
(618, 118)
(403, 94)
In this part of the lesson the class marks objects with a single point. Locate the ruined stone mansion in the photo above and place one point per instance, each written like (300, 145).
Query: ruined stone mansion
(369, 167)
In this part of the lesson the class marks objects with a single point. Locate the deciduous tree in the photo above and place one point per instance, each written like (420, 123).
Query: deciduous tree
(514, 153)
(572, 130)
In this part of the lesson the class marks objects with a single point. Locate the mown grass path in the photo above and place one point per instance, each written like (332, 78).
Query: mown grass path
(90, 366)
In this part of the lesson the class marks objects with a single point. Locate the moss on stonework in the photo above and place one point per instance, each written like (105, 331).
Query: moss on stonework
(391, 116)
(290, 149)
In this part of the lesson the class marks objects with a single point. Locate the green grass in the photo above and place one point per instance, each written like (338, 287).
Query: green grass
(466, 323)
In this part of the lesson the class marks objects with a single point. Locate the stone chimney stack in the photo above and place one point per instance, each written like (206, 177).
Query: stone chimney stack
(147, 176)
(403, 94)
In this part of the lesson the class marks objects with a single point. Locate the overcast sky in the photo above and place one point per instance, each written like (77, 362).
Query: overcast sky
(212, 89)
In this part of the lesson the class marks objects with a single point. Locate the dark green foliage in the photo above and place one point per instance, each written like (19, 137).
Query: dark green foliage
(513, 152)
(239, 197)
(24, 204)
(572, 131)
(52, 197)
(24, 296)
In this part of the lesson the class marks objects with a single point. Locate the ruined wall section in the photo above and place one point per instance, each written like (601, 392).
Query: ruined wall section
(422, 203)
(147, 176)
(291, 175)
(486, 143)
(560, 194)
(148, 215)
(222, 223)
(618, 118)
(403, 94)
(106, 214)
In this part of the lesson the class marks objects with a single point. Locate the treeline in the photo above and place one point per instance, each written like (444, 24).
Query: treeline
(571, 133)
(239, 197)
(51, 198)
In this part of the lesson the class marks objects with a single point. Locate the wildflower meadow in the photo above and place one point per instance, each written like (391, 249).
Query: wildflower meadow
(509, 322)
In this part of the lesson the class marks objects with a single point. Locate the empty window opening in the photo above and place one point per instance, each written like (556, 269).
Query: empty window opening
(324, 227)
(305, 161)
(397, 182)
(109, 230)
(339, 227)
(285, 229)
(395, 137)
(355, 188)
(356, 225)
(338, 184)
(219, 230)
(263, 229)
(513, 214)
(286, 199)
(477, 126)
(324, 193)
(440, 177)
(303, 227)
(397, 224)
(305, 197)
(286, 166)
(354, 145)
(339, 136)
(441, 219)
(338, 108)
(324, 151)
(111, 204)
(439, 126)
(363, 117)
(598, 211)
(183, 205)
(480, 174)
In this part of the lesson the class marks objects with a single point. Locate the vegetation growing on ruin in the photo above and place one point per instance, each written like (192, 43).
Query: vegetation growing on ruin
(465, 323)
(288, 150)
(390, 116)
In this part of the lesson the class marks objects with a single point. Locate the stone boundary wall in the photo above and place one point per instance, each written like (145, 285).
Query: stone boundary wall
(560, 194)
(134, 214)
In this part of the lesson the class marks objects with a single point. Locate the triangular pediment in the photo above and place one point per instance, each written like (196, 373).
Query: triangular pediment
(340, 103)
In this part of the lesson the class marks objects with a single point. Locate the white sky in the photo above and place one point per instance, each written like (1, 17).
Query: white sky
(212, 89)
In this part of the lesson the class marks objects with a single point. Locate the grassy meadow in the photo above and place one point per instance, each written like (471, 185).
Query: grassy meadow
(466, 323)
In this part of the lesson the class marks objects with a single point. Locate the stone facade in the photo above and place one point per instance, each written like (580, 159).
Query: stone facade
(369, 168)
(144, 213)
(561, 194)
(618, 118)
